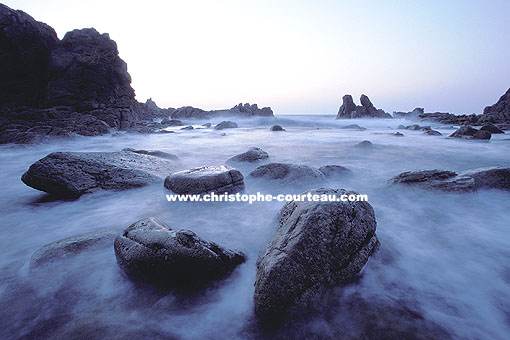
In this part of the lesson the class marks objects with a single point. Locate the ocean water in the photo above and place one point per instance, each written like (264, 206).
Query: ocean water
(444, 259)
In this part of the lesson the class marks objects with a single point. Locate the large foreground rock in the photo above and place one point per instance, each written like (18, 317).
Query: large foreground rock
(317, 244)
(252, 155)
(72, 174)
(366, 110)
(150, 250)
(288, 173)
(490, 178)
(217, 179)
(71, 246)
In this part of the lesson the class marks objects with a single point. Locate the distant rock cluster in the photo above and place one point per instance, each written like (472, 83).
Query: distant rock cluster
(366, 110)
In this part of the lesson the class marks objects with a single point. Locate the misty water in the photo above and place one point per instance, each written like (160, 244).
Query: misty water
(445, 257)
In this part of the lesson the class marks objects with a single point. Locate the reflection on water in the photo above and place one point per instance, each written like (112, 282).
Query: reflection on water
(446, 255)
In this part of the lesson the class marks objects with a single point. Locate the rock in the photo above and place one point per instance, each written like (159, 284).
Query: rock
(72, 174)
(413, 127)
(432, 133)
(171, 122)
(276, 128)
(353, 127)
(467, 132)
(155, 153)
(207, 125)
(189, 127)
(150, 250)
(498, 113)
(188, 112)
(436, 180)
(366, 110)
(413, 114)
(252, 155)
(398, 134)
(364, 144)
(335, 171)
(288, 173)
(401, 127)
(491, 128)
(71, 246)
(226, 124)
(217, 179)
(240, 110)
(25, 47)
(317, 245)
(251, 110)
(491, 177)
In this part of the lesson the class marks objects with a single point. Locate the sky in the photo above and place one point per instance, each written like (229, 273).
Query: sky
(302, 56)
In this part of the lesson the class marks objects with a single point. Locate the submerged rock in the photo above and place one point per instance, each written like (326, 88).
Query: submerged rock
(71, 246)
(353, 127)
(467, 132)
(189, 127)
(317, 245)
(152, 251)
(218, 179)
(226, 124)
(276, 128)
(72, 174)
(398, 134)
(155, 153)
(432, 133)
(288, 173)
(252, 155)
(435, 179)
(335, 171)
(364, 144)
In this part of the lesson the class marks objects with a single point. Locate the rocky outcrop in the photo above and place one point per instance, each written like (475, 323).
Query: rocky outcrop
(71, 246)
(226, 124)
(483, 178)
(366, 110)
(499, 112)
(252, 155)
(217, 179)
(240, 110)
(288, 173)
(72, 174)
(316, 245)
(150, 250)
(467, 132)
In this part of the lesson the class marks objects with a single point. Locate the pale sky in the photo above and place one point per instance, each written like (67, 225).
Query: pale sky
(302, 56)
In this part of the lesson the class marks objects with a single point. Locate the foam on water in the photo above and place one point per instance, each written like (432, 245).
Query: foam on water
(446, 253)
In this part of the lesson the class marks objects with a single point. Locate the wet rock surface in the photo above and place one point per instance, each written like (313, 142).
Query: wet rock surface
(218, 179)
(467, 132)
(276, 128)
(335, 171)
(226, 124)
(316, 245)
(72, 174)
(288, 173)
(150, 250)
(253, 154)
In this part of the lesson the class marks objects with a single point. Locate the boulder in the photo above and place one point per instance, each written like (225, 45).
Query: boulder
(432, 133)
(335, 171)
(491, 128)
(366, 110)
(252, 155)
(435, 180)
(276, 128)
(398, 134)
(189, 127)
(288, 173)
(171, 122)
(316, 245)
(226, 124)
(72, 174)
(467, 132)
(155, 153)
(150, 250)
(364, 144)
(71, 246)
(217, 179)
(491, 177)
(207, 125)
